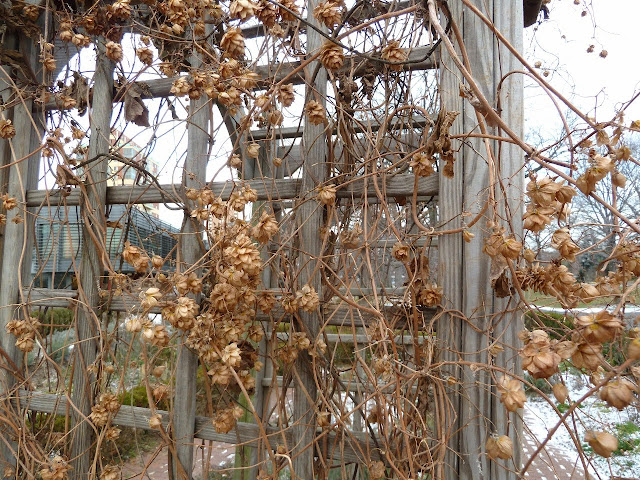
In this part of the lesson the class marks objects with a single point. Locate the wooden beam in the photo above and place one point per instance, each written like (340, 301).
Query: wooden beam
(267, 189)
(190, 253)
(310, 219)
(246, 433)
(88, 319)
(20, 170)
(161, 88)
(358, 127)
(464, 269)
(332, 314)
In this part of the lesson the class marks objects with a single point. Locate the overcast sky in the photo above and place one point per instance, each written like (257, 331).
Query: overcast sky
(597, 85)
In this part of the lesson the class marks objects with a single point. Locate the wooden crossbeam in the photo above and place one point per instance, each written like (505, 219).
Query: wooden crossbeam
(361, 338)
(244, 433)
(296, 132)
(333, 314)
(268, 190)
(383, 388)
(161, 87)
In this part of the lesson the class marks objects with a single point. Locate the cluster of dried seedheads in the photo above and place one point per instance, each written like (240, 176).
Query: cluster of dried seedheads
(218, 306)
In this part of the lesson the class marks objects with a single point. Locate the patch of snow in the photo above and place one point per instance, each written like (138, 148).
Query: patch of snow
(592, 414)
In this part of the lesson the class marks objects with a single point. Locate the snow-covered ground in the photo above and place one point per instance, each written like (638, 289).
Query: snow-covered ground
(592, 414)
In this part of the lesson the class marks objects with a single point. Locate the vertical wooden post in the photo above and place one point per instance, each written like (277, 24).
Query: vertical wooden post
(510, 161)
(91, 264)
(464, 268)
(194, 176)
(17, 244)
(267, 170)
(310, 215)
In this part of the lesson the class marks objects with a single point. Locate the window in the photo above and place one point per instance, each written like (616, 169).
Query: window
(129, 152)
(70, 241)
(46, 236)
(130, 173)
(114, 241)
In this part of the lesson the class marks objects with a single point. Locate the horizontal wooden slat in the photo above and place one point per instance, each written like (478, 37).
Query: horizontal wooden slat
(359, 126)
(267, 189)
(244, 433)
(358, 338)
(160, 88)
(351, 385)
(334, 314)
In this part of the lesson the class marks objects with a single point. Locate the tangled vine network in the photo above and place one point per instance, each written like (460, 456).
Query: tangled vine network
(308, 233)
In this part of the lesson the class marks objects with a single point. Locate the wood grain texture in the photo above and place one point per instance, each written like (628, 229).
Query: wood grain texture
(190, 252)
(310, 218)
(161, 88)
(464, 266)
(355, 448)
(267, 189)
(510, 161)
(17, 241)
(333, 314)
(417, 121)
(91, 268)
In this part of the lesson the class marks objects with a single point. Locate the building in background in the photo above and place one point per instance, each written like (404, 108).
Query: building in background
(123, 174)
(58, 235)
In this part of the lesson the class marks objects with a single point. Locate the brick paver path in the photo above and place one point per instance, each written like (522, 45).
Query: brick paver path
(551, 464)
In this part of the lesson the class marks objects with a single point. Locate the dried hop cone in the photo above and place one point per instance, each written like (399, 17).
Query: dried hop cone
(430, 295)
(633, 350)
(224, 421)
(56, 469)
(242, 9)
(99, 415)
(315, 112)
(422, 165)
(393, 53)
(231, 355)
(542, 191)
(600, 327)
(286, 95)
(114, 51)
(587, 356)
(145, 55)
(351, 238)
(537, 356)
(266, 301)
(332, 56)
(266, 228)
(603, 443)
(377, 470)
(618, 393)
(400, 252)
(327, 194)
(499, 447)
(135, 257)
(329, 13)
(511, 393)
(49, 63)
(155, 421)
(7, 130)
(307, 298)
(561, 392)
(149, 298)
(233, 43)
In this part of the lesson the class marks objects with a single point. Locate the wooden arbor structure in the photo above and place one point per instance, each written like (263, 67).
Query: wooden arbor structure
(364, 312)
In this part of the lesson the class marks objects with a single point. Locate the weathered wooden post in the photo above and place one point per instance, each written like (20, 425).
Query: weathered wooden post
(464, 268)
(310, 216)
(92, 266)
(17, 242)
(194, 176)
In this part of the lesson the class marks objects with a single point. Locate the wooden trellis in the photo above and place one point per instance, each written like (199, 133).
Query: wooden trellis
(462, 269)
